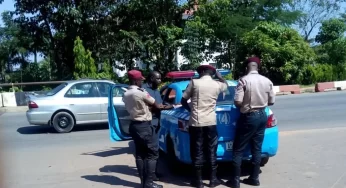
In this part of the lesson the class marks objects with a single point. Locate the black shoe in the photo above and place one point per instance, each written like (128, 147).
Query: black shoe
(214, 181)
(198, 181)
(150, 173)
(141, 170)
(251, 181)
(234, 182)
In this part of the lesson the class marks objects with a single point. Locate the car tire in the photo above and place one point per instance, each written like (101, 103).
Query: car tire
(264, 161)
(63, 122)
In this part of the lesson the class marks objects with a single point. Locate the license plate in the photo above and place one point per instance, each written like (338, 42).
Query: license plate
(229, 146)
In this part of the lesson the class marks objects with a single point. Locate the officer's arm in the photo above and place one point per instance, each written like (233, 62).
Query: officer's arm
(150, 101)
(239, 93)
(271, 94)
(186, 96)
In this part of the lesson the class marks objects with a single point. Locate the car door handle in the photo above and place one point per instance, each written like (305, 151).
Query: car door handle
(71, 104)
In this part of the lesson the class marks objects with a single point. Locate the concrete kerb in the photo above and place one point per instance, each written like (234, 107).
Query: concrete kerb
(13, 109)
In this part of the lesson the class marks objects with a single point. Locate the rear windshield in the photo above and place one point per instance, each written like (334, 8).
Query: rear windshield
(56, 89)
(226, 97)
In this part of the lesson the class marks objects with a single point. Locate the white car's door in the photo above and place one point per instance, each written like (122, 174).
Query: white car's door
(83, 101)
(117, 97)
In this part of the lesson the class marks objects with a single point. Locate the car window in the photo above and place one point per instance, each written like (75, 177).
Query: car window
(118, 91)
(56, 89)
(103, 88)
(170, 96)
(82, 90)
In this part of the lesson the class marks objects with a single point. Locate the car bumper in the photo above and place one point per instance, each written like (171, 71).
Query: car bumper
(38, 117)
(269, 148)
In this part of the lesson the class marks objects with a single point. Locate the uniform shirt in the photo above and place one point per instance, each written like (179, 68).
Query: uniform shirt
(155, 93)
(136, 103)
(203, 93)
(255, 91)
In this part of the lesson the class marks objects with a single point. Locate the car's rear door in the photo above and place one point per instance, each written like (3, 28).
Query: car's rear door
(83, 100)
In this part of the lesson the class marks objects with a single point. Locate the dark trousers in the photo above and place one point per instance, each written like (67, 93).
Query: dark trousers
(147, 150)
(203, 139)
(145, 139)
(250, 130)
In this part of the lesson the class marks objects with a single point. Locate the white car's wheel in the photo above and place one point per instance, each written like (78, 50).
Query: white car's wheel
(63, 122)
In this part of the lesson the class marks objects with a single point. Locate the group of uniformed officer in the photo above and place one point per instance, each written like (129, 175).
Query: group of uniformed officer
(253, 93)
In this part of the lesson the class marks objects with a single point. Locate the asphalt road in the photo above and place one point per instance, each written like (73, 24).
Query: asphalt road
(311, 110)
(35, 156)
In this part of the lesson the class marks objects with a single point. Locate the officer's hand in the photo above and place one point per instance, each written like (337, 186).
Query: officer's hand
(218, 75)
(167, 107)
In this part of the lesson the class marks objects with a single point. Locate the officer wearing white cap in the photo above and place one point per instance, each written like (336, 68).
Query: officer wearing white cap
(203, 93)
(137, 102)
(253, 94)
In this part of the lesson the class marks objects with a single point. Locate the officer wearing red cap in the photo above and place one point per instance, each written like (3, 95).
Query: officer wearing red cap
(137, 102)
(203, 93)
(253, 93)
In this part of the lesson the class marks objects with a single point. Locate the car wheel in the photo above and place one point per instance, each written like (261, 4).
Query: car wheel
(63, 122)
(264, 161)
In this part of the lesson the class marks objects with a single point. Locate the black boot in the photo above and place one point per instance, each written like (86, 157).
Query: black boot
(214, 181)
(150, 173)
(157, 175)
(197, 181)
(253, 179)
(141, 170)
(234, 182)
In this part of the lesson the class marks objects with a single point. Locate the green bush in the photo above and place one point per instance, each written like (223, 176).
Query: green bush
(312, 74)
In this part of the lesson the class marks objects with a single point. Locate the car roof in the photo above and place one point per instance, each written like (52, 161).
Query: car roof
(182, 85)
(87, 80)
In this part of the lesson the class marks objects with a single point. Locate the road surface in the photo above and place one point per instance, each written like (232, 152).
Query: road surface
(311, 154)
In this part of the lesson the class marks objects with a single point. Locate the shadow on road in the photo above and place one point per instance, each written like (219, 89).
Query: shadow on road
(111, 180)
(38, 129)
(114, 151)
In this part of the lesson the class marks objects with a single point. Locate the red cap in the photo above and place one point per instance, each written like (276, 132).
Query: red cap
(205, 67)
(135, 75)
(253, 59)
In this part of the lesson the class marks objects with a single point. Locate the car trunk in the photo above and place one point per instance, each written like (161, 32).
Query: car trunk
(227, 116)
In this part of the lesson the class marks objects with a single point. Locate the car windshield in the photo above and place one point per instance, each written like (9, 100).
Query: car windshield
(226, 97)
(56, 89)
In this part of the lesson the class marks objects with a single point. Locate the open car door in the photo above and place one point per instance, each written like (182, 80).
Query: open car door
(118, 118)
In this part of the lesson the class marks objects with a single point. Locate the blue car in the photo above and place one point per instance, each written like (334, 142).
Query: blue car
(174, 137)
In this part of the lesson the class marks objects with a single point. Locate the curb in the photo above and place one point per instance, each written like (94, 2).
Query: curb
(13, 109)
(330, 86)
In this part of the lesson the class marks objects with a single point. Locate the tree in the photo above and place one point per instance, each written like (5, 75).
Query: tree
(282, 50)
(84, 63)
(331, 30)
(314, 13)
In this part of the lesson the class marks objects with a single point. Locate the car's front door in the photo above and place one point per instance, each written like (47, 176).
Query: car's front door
(83, 100)
(118, 117)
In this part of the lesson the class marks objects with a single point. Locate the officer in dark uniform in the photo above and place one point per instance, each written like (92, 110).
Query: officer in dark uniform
(253, 94)
(203, 93)
(153, 82)
(137, 102)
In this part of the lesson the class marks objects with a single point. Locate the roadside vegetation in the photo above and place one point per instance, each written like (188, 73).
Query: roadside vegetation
(63, 40)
